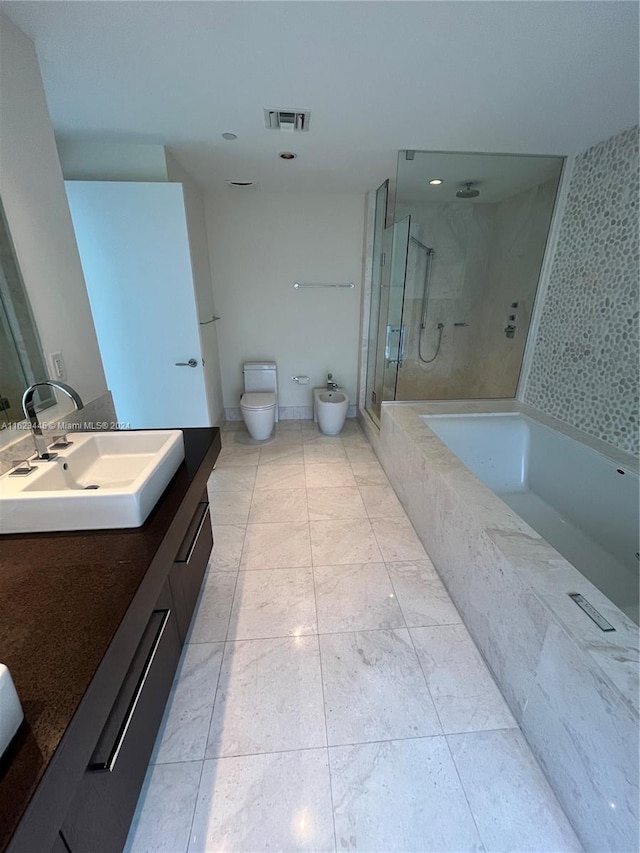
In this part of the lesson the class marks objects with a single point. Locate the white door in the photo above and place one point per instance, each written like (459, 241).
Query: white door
(134, 249)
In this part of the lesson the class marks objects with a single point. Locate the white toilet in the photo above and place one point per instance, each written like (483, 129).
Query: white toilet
(330, 409)
(259, 403)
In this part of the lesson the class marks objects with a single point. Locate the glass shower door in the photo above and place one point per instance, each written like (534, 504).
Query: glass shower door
(372, 403)
(390, 340)
(395, 332)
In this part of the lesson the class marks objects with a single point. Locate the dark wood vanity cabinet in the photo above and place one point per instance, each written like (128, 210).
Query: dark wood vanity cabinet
(187, 572)
(126, 599)
(100, 815)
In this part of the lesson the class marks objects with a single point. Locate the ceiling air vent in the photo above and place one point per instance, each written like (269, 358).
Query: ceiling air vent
(287, 120)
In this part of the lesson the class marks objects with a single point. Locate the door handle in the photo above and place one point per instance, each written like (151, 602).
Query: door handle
(191, 363)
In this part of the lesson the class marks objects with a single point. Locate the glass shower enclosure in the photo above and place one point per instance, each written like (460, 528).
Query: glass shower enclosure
(455, 275)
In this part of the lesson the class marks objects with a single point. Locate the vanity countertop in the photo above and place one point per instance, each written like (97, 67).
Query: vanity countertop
(62, 599)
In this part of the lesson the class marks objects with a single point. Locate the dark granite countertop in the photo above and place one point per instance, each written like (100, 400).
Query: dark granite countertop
(62, 599)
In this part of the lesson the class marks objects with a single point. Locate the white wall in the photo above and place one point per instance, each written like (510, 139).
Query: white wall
(32, 191)
(198, 243)
(260, 244)
(111, 161)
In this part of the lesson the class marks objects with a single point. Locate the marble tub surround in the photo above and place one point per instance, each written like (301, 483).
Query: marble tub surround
(313, 709)
(572, 688)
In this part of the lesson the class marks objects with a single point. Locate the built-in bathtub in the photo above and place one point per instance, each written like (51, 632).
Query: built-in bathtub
(581, 501)
(572, 687)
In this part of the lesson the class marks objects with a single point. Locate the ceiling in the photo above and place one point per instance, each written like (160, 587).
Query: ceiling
(524, 77)
(496, 176)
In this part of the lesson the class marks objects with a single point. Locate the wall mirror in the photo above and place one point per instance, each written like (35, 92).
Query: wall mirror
(21, 358)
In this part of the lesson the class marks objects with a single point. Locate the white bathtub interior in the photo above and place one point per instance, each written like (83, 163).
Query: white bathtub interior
(583, 503)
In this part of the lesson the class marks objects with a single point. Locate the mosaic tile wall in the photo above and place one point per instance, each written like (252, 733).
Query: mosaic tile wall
(585, 362)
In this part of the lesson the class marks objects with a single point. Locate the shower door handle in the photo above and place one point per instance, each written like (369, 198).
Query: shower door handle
(402, 345)
(394, 349)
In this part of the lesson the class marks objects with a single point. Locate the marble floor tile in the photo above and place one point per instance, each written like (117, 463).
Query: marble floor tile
(327, 504)
(238, 455)
(401, 795)
(162, 821)
(269, 698)
(280, 477)
(329, 475)
(374, 688)
(238, 436)
(315, 452)
(229, 507)
(369, 474)
(278, 505)
(381, 502)
(276, 545)
(236, 479)
(421, 594)
(355, 598)
(463, 690)
(277, 802)
(285, 453)
(273, 603)
(511, 800)
(339, 542)
(227, 547)
(185, 725)
(211, 618)
(360, 453)
(288, 427)
(398, 540)
(311, 432)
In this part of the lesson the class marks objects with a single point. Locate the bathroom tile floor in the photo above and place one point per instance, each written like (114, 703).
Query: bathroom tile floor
(329, 696)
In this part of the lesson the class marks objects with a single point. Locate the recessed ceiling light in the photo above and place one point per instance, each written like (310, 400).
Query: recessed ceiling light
(287, 155)
(435, 182)
(229, 136)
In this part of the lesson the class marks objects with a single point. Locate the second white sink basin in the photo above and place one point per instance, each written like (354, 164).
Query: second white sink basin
(103, 480)
(10, 709)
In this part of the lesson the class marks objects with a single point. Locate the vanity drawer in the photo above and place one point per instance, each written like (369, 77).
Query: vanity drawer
(100, 814)
(190, 566)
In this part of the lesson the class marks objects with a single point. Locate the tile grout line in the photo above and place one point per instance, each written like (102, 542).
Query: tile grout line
(330, 746)
(334, 633)
(324, 714)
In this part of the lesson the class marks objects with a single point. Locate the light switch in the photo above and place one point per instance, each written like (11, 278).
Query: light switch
(58, 369)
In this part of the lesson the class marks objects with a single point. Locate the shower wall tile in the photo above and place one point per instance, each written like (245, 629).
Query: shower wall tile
(584, 369)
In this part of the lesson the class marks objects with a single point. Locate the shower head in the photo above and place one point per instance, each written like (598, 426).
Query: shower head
(468, 191)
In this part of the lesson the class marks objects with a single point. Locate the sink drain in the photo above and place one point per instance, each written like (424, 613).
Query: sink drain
(89, 488)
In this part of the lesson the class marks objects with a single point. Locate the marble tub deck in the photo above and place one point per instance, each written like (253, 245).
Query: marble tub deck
(329, 696)
(572, 688)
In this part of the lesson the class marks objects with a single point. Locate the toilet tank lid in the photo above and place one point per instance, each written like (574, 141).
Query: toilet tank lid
(259, 365)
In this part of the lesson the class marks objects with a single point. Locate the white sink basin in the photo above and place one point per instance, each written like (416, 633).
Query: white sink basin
(10, 709)
(130, 469)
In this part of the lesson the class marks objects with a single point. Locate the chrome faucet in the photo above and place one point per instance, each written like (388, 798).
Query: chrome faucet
(29, 410)
(331, 385)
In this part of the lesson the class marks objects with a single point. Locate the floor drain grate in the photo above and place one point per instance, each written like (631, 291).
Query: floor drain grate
(591, 612)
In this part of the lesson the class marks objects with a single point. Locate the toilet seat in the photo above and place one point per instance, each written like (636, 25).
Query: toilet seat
(258, 400)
